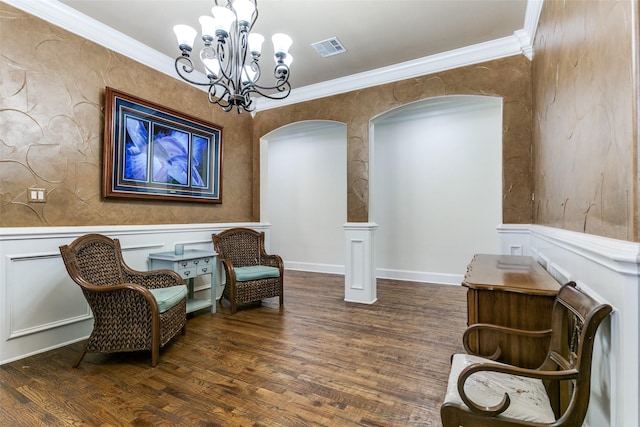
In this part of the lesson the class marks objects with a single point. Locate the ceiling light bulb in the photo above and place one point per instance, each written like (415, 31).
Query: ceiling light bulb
(208, 27)
(244, 11)
(255, 43)
(281, 43)
(223, 18)
(185, 35)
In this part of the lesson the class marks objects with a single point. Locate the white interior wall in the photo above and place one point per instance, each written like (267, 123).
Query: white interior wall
(306, 194)
(436, 187)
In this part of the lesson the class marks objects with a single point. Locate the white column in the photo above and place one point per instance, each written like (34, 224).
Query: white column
(360, 266)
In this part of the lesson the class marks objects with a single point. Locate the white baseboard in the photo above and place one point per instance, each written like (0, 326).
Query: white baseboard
(420, 276)
(314, 267)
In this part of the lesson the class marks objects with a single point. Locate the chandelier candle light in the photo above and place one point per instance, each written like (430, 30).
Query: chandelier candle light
(230, 56)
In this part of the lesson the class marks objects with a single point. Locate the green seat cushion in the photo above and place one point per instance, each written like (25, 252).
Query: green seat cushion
(254, 272)
(168, 297)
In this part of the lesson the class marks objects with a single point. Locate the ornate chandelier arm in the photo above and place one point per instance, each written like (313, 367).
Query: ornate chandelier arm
(222, 100)
(282, 91)
(281, 74)
(226, 65)
(184, 66)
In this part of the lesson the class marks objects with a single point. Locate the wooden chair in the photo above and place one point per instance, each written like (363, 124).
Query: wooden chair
(482, 392)
(132, 310)
(251, 273)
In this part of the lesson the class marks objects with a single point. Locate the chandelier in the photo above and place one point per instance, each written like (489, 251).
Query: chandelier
(230, 56)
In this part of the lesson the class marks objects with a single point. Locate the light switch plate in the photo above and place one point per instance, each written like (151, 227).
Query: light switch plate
(37, 195)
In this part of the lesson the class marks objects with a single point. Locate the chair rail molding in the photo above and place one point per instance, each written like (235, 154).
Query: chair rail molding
(609, 271)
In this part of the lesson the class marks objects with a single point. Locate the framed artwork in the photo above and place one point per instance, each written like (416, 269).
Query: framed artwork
(152, 152)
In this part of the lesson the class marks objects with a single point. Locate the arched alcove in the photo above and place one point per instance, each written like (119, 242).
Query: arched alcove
(436, 186)
(303, 182)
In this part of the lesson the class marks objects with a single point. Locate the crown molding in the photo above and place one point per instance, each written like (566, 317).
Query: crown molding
(71, 20)
(482, 52)
(521, 42)
(531, 18)
(80, 24)
(528, 33)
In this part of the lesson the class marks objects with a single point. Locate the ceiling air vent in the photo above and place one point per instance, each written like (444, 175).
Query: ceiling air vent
(329, 47)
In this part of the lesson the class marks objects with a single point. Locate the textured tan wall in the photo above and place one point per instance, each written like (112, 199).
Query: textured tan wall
(509, 78)
(51, 98)
(585, 129)
(51, 126)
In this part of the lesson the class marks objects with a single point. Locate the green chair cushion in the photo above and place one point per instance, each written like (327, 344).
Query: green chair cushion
(255, 272)
(168, 297)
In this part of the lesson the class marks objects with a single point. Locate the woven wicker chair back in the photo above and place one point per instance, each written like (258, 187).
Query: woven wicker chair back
(243, 248)
(98, 262)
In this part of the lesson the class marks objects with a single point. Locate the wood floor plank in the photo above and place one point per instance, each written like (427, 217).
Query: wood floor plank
(317, 361)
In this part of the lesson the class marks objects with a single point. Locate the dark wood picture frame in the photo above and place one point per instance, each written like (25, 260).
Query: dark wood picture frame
(153, 152)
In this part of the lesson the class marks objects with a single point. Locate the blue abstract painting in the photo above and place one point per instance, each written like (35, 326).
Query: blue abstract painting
(200, 149)
(136, 153)
(152, 152)
(170, 156)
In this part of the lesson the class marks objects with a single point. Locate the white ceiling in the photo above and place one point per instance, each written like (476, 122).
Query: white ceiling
(376, 33)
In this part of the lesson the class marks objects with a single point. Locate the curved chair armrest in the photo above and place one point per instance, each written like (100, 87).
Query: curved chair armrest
(272, 261)
(228, 269)
(153, 279)
(491, 411)
(500, 329)
(141, 289)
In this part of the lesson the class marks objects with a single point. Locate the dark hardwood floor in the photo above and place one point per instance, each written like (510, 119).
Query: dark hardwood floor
(318, 361)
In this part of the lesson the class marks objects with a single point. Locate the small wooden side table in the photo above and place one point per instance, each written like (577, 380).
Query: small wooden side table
(191, 264)
(511, 291)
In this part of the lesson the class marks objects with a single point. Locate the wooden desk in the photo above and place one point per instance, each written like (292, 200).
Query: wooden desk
(512, 291)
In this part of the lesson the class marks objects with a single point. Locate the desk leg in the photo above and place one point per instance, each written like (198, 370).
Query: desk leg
(213, 293)
(190, 288)
(472, 319)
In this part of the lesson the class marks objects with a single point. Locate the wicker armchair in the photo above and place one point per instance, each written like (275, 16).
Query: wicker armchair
(482, 392)
(251, 273)
(132, 310)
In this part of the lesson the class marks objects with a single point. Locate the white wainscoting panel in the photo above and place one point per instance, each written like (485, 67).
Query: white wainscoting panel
(41, 308)
(49, 299)
(608, 270)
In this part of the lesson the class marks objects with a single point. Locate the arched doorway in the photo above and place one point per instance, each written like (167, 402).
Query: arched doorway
(304, 193)
(436, 186)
